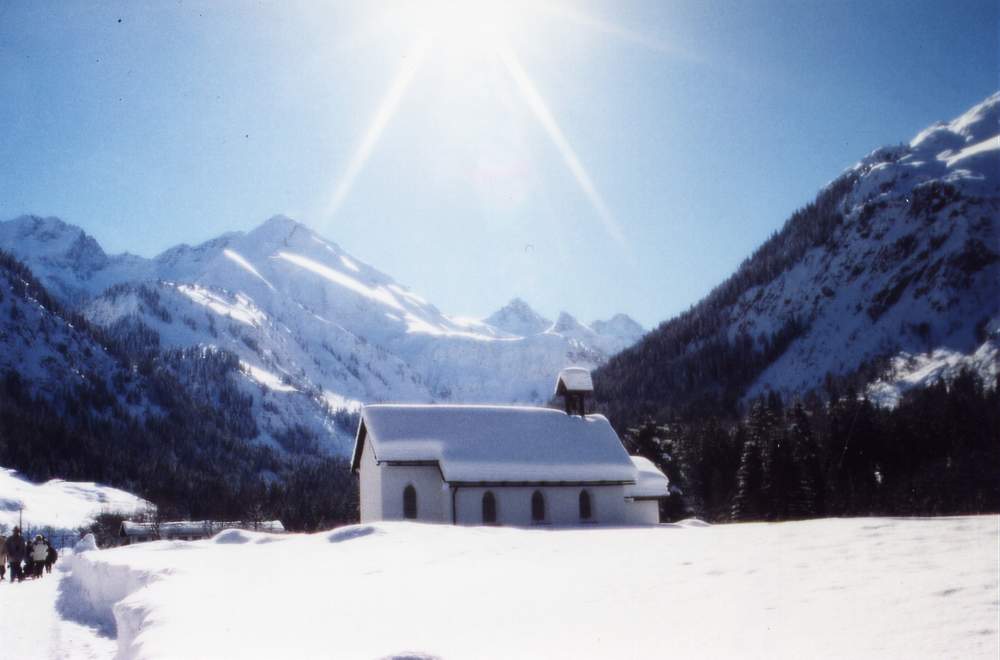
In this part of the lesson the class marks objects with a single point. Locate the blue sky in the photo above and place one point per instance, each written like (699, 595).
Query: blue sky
(618, 156)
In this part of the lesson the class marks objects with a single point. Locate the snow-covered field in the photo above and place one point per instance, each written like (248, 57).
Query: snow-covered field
(62, 506)
(836, 588)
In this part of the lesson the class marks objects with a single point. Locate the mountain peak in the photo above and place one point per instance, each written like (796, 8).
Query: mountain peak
(977, 124)
(54, 241)
(518, 318)
(279, 222)
(620, 326)
(277, 228)
(566, 323)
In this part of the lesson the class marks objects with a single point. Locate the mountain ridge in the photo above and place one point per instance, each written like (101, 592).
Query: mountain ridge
(317, 331)
(896, 256)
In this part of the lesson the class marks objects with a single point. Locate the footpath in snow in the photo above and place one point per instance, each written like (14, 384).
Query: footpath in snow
(34, 625)
(836, 588)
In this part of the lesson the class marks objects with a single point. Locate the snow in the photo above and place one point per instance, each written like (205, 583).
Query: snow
(338, 402)
(975, 125)
(406, 293)
(567, 325)
(986, 146)
(38, 622)
(350, 265)
(621, 328)
(64, 506)
(241, 309)
(836, 588)
(294, 306)
(519, 319)
(650, 481)
(246, 265)
(88, 542)
(908, 371)
(418, 325)
(575, 379)
(375, 294)
(497, 443)
(266, 378)
(896, 280)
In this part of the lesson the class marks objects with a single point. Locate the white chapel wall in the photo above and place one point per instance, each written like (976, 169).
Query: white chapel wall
(643, 512)
(562, 505)
(370, 486)
(433, 499)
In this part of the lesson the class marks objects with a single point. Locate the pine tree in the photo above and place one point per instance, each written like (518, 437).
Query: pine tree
(807, 489)
(780, 476)
(748, 502)
(763, 429)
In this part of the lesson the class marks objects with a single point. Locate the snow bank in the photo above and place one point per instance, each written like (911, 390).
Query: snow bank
(88, 542)
(873, 587)
(93, 593)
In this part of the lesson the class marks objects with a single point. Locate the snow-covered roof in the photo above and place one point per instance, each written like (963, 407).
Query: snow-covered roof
(477, 444)
(196, 527)
(650, 482)
(574, 379)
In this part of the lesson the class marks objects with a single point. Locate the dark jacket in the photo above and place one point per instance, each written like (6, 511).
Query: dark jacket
(15, 548)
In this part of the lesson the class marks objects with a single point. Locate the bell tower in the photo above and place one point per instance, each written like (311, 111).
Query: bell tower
(574, 385)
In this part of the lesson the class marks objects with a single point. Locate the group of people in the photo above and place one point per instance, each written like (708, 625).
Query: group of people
(26, 558)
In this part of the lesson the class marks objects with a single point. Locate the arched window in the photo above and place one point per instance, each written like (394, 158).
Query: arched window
(584, 505)
(489, 508)
(410, 502)
(537, 506)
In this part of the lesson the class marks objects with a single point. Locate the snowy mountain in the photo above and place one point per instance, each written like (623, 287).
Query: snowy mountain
(40, 342)
(66, 259)
(517, 318)
(78, 401)
(315, 330)
(891, 275)
(621, 328)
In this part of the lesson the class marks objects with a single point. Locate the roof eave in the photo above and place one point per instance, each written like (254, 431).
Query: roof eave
(359, 445)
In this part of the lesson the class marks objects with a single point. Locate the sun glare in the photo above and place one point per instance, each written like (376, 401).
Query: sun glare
(454, 39)
(462, 27)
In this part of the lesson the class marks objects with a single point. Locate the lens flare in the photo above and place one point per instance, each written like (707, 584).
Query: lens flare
(471, 33)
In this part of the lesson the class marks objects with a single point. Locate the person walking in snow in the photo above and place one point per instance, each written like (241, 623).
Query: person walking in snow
(50, 557)
(28, 567)
(16, 550)
(3, 556)
(39, 551)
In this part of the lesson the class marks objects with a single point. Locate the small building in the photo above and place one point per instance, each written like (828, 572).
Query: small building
(502, 465)
(188, 530)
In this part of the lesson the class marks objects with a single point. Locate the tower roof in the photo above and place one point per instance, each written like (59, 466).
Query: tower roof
(574, 379)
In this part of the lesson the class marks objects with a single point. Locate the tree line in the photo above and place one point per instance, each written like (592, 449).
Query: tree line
(937, 452)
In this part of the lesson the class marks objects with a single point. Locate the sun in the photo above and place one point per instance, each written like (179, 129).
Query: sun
(466, 36)
(462, 27)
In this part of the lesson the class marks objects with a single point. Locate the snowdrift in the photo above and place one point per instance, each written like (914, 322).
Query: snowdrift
(825, 588)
